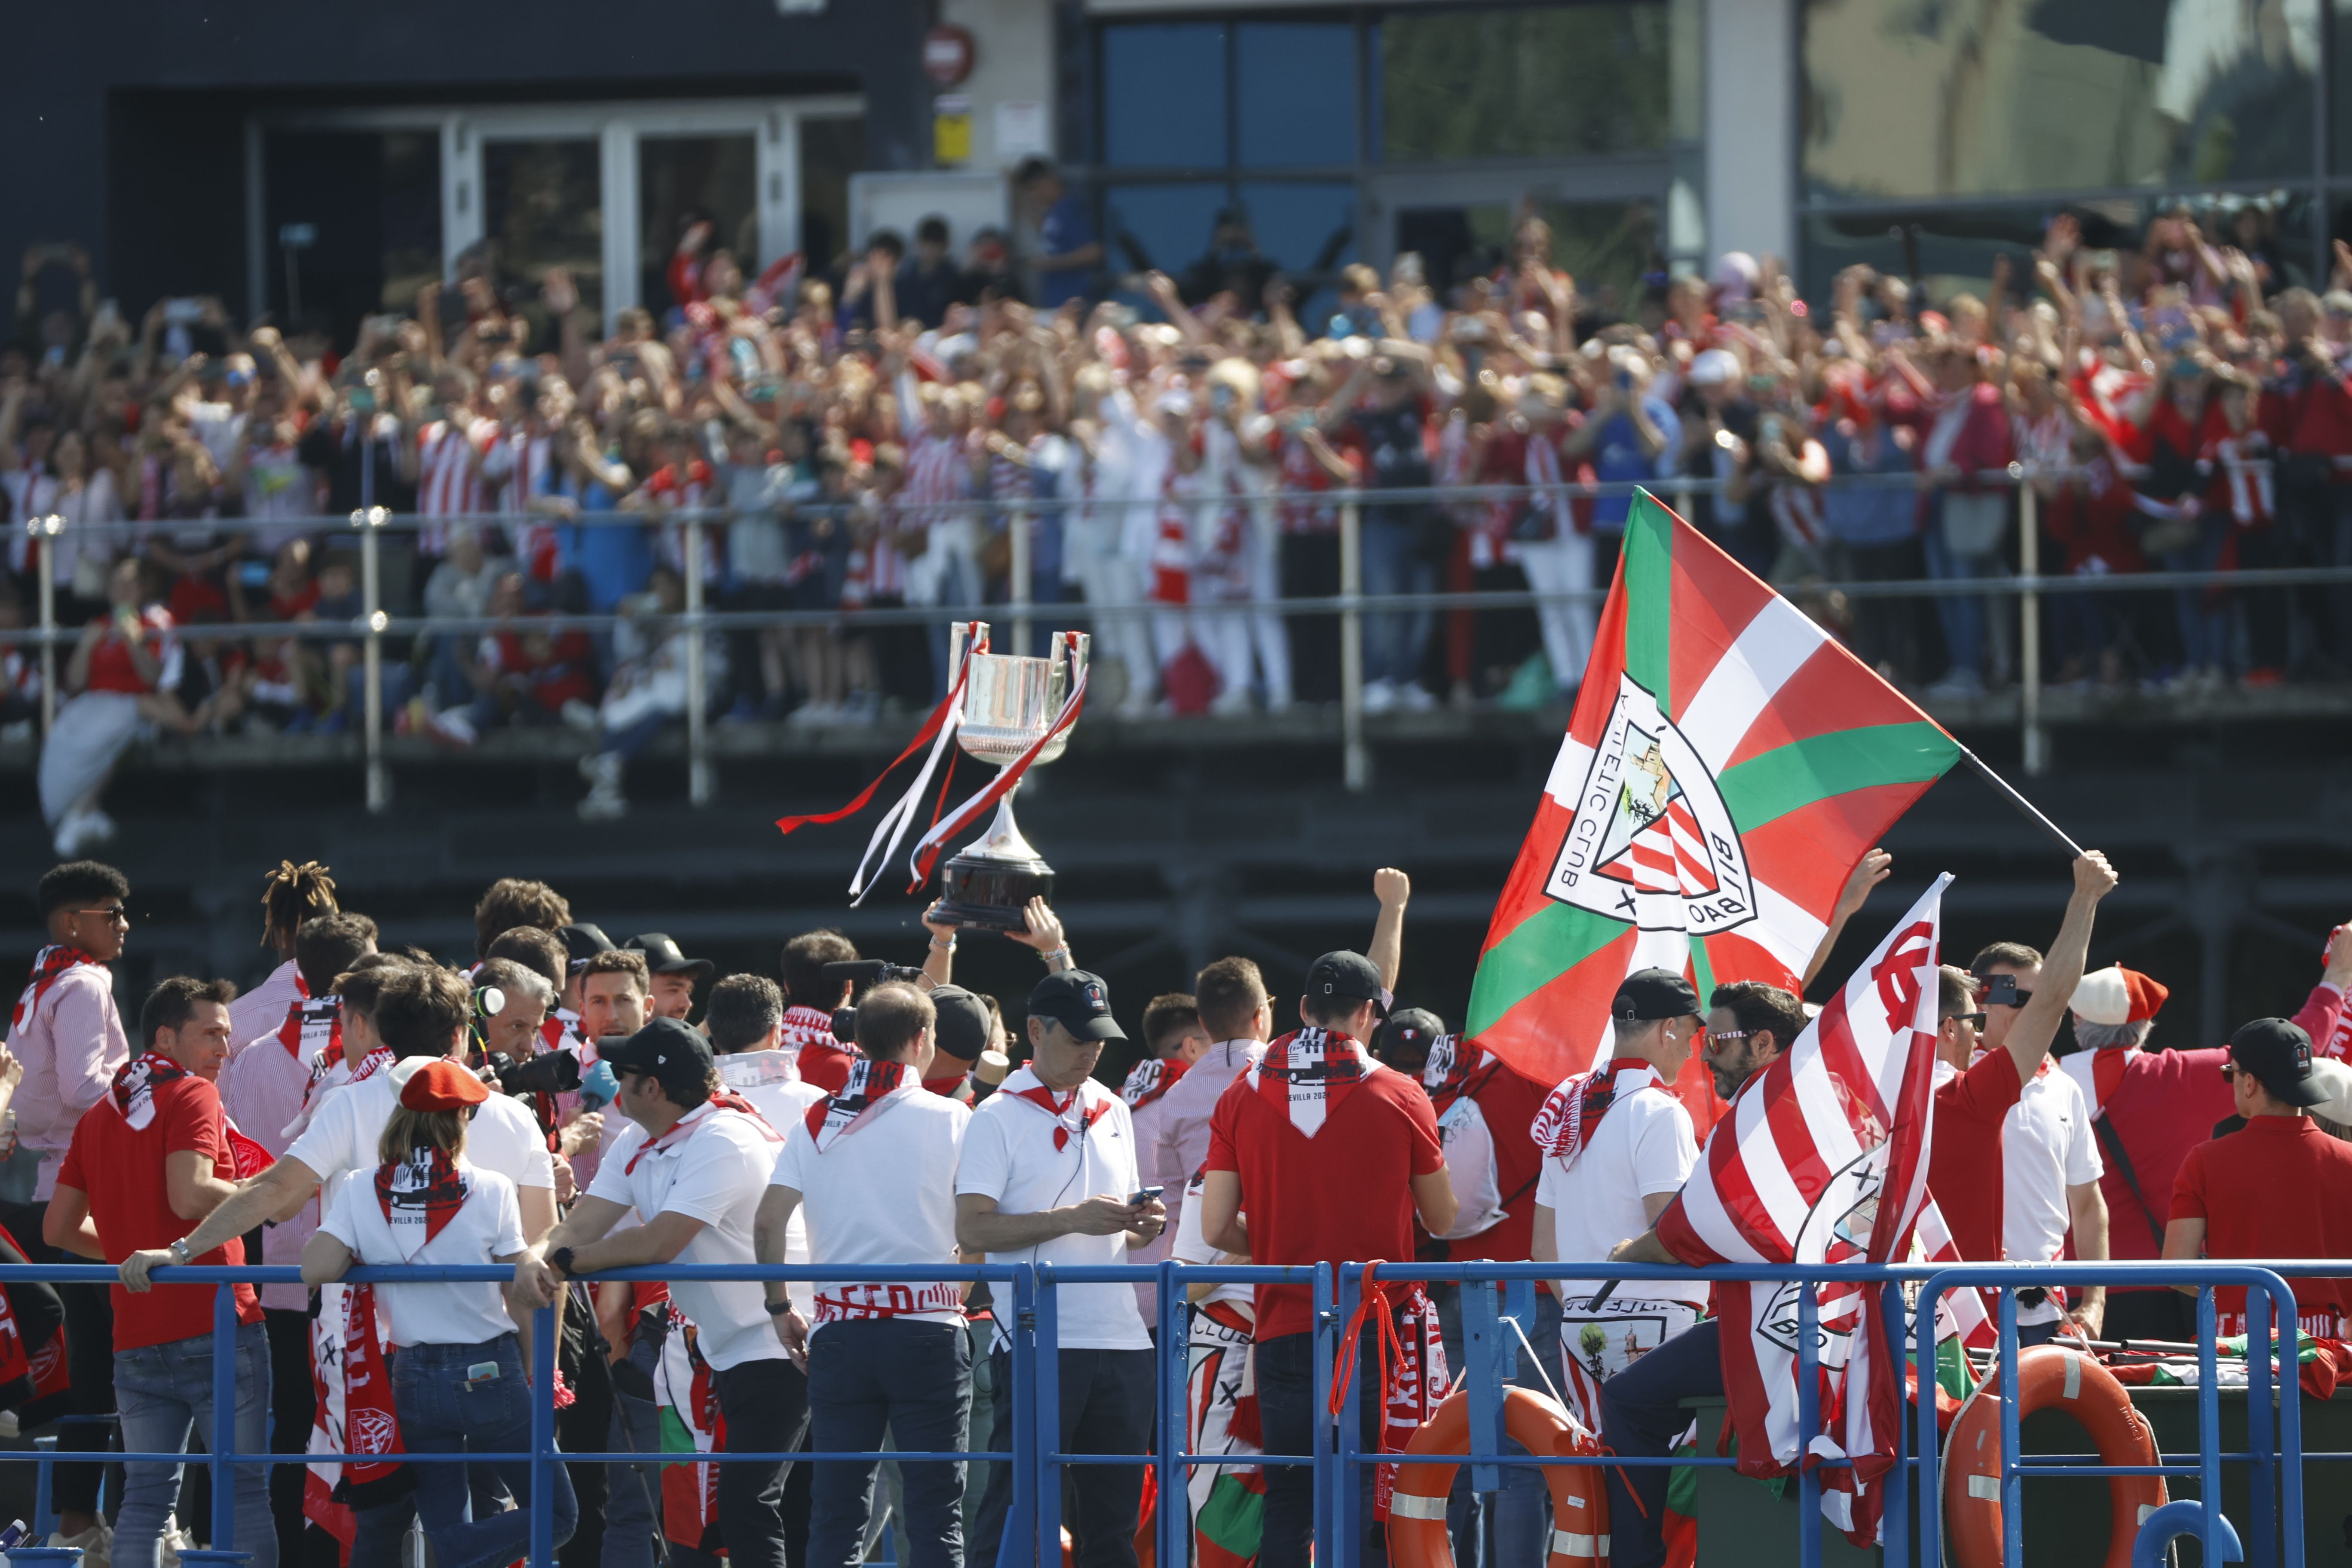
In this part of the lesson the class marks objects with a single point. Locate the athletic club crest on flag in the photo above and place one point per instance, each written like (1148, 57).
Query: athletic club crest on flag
(1651, 843)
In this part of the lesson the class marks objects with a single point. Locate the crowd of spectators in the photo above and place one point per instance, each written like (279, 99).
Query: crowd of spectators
(1171, 447)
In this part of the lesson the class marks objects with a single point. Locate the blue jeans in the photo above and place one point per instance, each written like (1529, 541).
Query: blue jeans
(1394, 562)
(444, 1411)
(164, 1390)
(1518, 1516)
(1963, 615)
(2204, 627)
(1641, 1413)
(916, 1380)
(633, 1492)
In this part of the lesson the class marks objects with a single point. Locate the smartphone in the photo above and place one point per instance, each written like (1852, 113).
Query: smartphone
(183, 311)
(1145, 1196)
(2000, 991)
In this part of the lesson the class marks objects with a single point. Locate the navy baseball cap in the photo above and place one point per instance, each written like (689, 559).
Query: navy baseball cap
(666, 1050)
(1077, 1000)
(1649, 994)
(2278, 1053)
(1345, 976)
(962, 1028)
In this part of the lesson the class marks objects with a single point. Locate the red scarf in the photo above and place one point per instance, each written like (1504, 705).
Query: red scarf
(353, 1414)
(1572, 1112)
(1057, 1106)
(1453, 1063)
(700, 1117)
(375, 1062)
(869, 1085)
(1149, 1080)
(1414, 1380)
(313, 1028)
(136, 1082)
(420, 1196)
(1308, 1075)
(53, 961)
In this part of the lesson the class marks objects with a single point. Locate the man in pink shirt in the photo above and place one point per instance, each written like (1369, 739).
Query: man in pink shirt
(2149, 1109)
(67, 1032)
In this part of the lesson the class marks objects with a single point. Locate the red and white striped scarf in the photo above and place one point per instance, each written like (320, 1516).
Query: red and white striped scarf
(136, 1082)
(314, 1028)
(1151, 1080)
(51, 961)
(420, 1196)
(1307, 1075)
(871, 1084)
(1571, 1113)
(375, 1062)
(1070, 1112)
(704, 1115)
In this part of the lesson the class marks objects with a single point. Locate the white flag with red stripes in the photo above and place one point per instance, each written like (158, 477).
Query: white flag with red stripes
(1822, 1158)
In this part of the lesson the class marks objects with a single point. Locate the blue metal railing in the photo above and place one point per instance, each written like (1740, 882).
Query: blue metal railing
(1028, 1309)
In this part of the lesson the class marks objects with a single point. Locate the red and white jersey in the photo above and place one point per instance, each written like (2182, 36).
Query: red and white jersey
(1796, 512)
(1170, 566)
(937, 471)
(522, 466)
(688, 491)
(2241, 465)
(449, 473)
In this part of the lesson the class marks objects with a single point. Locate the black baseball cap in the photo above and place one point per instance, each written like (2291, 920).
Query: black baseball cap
(1649, 994)
(1077, 1000)
(2278, 1053)
(583, 942)
(1345, 976)
(664, 956)
(1404, 1037)
(961, 1030)
(666, 1051)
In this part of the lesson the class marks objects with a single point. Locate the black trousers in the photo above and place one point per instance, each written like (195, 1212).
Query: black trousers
(301, 1544)
(915, 1380)
(1287, 1416)
(1641, 1413)
(2150, 1315)
(1106, 1408)
(766, 1407)
(90, 1359)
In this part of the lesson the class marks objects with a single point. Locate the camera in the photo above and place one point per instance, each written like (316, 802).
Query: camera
(862, 972)
(555, 1072)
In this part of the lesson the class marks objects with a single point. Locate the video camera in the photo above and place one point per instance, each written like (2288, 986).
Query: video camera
(553, 1072)
(862, 972)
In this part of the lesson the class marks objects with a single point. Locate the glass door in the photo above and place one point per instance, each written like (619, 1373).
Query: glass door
(542, 206)
(1607, 229)
(686, 182)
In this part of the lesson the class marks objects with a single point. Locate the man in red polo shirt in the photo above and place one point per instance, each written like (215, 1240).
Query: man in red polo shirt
(2281, 1186)
(1973, 1093)
(149, 1160)
(1332, 1155)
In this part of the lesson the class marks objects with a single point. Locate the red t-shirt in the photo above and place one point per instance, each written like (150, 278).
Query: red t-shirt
(2278, 1187)
(825, 1064)
(122, 1170)
(1964, 1162)
(2165, 1105)
(1344, 1195)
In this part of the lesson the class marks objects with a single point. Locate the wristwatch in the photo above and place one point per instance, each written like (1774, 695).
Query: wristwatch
(778, 1308)
(179, 1251)
(560, 1261)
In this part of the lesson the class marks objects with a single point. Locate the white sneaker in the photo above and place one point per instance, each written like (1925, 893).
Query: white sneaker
(1379, 697)
(603, 805)
(452, 729)
(1415, 698)
(175, 1540)
(1231, 703)
(69, 837)
(1960, 685)
(98, 829)
(96, 1544)
(580, 716)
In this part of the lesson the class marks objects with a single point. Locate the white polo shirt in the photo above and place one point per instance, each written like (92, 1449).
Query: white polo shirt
(1643, 1145)
(882, 1191)
(1192, 1246)
(716, 1174)
(488, 1227)
(348, 1125)
(261, 1089)
(2046, 1146)
(776, 1088)
(1009, 1156)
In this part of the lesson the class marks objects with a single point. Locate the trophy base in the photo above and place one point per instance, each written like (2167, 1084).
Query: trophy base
(990, 894)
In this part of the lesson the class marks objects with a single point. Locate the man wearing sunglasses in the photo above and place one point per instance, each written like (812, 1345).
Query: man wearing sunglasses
(69, 1036)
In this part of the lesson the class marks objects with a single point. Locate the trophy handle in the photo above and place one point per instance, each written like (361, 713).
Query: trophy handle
(1073, 647)
(957, 632)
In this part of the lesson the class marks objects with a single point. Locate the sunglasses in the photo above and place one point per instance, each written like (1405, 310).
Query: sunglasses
(1973, 1020)
(1723, 1037)
(114, 914)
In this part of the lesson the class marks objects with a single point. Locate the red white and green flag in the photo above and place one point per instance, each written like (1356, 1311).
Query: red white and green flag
(1728, 764)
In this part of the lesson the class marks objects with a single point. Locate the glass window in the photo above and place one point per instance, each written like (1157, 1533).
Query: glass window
(1552, 81)
(1164, 95)
(831, 151)
(372, 200)
(1977, 97)
(683, 180)
(544, 206)
(1163, 227)
(1297, 90)
(1310, 232)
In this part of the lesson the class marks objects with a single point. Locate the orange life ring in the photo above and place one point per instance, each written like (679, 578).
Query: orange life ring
(2049, 1377)
(1579, 1504)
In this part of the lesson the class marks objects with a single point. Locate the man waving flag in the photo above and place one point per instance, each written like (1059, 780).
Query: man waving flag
(1728, 764)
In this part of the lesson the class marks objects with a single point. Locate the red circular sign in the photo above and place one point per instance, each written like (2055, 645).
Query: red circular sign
(947, 54)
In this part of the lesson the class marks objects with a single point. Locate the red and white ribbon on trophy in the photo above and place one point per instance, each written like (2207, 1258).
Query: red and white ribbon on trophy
(939, 733)
(927, 850)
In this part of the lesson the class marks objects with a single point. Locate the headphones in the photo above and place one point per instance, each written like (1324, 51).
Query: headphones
(490, 1001)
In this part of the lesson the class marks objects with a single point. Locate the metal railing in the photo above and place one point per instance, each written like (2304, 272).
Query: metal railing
(1031, 1310)
(375, 624)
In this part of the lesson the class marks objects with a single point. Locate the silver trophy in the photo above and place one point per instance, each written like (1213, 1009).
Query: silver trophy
(1010, 700)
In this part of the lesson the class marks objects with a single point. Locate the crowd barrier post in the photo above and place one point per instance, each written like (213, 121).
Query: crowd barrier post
(1017, 526)
(1047, 1370)
(1357, 761)
(2013, 1474)
(1809, 1418)
(2036, 739)
(699, 784)
(45, 533)
(1173, 1524)
(223, 1437)
(1348, 1455)
(370, 521)
(543, 1436)
(1327, 1343)
(2262, 1491)
(1482, 1360)
(1895, 1512)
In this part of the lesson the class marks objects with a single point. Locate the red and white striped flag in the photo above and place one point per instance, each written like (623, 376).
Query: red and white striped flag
(1822, 1158)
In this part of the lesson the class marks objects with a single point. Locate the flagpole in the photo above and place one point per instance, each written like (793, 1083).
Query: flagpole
(2024, 806)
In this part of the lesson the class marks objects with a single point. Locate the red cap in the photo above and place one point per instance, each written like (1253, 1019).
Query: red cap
(442, 1085)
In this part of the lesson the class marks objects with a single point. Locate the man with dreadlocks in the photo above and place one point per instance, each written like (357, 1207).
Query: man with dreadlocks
(289, 895)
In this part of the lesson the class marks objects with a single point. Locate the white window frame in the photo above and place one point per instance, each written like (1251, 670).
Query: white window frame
(617, 127)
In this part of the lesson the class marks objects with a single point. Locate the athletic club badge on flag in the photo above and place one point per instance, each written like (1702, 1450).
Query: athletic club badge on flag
(1728, 764)
(1821, 1158)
